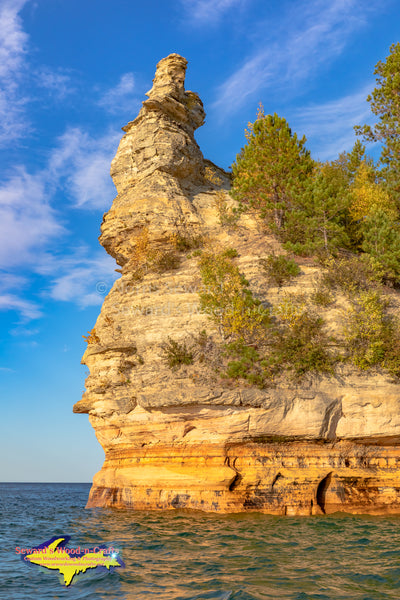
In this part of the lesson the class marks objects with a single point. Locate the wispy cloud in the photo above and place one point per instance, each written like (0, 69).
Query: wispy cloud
(26, 308)
(13, 43)
(122, 97)
(200, 12)
(58, 84)
(77, 167)
(82, 278)
(313, 40)
(80, 164)
(329, 127)
(12, 290)
(22, 331)
(27, 221)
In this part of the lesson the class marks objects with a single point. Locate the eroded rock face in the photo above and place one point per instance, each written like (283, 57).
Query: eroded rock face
(186, 438)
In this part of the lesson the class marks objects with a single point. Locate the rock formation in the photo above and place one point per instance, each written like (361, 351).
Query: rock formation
(186, 438)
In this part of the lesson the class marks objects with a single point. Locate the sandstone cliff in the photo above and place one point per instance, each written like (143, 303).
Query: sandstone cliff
(187, 438)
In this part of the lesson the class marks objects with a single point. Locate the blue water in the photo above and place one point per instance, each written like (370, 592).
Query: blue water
(183, 555)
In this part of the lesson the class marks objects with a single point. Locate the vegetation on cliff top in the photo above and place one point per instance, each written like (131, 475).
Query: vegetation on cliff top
(346, 214)
(320, 208)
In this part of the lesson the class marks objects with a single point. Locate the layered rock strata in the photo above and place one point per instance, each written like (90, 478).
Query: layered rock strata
(186, 438)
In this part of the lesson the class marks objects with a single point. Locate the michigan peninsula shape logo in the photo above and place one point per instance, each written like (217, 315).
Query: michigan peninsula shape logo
(70, 562)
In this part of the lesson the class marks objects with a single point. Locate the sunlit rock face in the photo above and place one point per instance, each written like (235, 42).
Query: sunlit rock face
(188, 438)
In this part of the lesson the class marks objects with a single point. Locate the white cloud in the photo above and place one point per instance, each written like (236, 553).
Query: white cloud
(81, 164)
(57, 84)
(81, 278)
(12, 38)
(12, 289)
(79, 167)
(207, 12)
(21, 331)
(27, 221)
(329, 126)
(28, 310)
(121, 97)
(13, 42)
(315, 35)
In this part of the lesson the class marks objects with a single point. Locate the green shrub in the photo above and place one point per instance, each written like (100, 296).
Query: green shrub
(382, 242)
(301, 344)
(352, 274)
(280, 269)
(322, 296)
(247, 363)
(228, 300)
(176, 354)
(368, 329)
(185, 241)
(391, 361)
(230, 253)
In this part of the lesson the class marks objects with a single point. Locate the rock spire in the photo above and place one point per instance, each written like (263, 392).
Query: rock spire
(186, 437)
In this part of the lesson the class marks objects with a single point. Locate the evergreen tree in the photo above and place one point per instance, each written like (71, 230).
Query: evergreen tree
(271, 169)
(318, 222)
(351, 161)
(385, 104)
(382, 241)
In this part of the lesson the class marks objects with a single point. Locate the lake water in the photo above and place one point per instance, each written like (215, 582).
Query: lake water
(182, 555)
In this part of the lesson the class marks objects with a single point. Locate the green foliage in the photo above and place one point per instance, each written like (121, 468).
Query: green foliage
(391, 361)
(297, 344)
(367, 329)
(382, 242)
(280, 269)
(301, 343)
(176, 354)
(184, 241)
(385, 105)
(351, 274)
(271, 169)
(317, 221)
(351, 161)
(322, 296)
(227, 298)
(230, 253)
(247, 364)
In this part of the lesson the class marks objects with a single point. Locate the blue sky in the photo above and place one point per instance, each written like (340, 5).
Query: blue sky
(72, 73)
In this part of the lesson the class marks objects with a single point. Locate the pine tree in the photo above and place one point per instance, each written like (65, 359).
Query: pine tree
(318, 222)
(385, 104)
(271, 169)
(382, 241)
